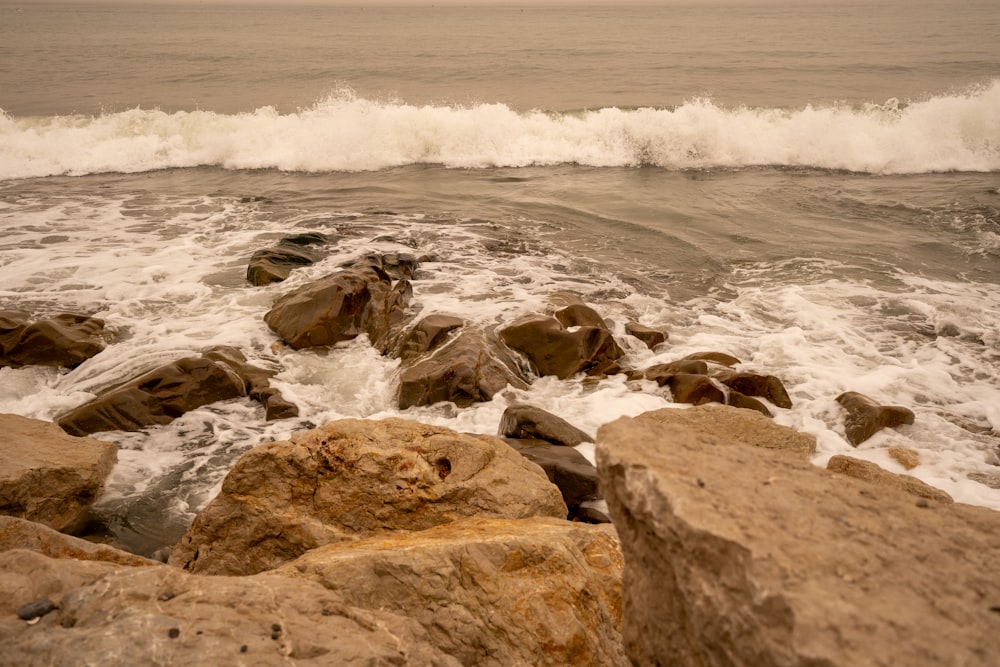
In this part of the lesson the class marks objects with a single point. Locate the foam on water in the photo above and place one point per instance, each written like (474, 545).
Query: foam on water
(952, 132)
(166, 273)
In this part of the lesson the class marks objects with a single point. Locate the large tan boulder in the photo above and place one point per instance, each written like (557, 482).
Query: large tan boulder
(48, 476)
(355, 478)
(117, 616)
(742, 555)
(21, 534)
(537, 591)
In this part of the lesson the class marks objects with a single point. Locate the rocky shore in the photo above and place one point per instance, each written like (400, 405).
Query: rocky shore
(703, 536)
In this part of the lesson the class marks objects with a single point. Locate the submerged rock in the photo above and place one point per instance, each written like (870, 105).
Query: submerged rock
(47, 476)
(648, 335)
(865, 417)
(275, 264)
(737, 555)
(354, 478)
(66, 340)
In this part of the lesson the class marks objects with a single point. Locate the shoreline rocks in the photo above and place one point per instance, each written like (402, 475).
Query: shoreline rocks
(66, 339)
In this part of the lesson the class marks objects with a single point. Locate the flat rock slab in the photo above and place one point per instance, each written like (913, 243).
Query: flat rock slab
(48, 476)
(741, 555)
(494, 592)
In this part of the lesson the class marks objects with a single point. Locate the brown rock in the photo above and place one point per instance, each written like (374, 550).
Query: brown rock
(908, 458)
(753, 384)
(554, 350)
(47, 476)
(21, 534)
(738, 400)
(648, 335)
(275, 264)
(736, 555)
(579, 315)
(526, 421)
(865, 417)
(661, 373)
(714, 357)
(694, 389)
(489, 592)
(355, 478)
(468, 368)
(873, 473)
(66, 339)
(565, 467)
(427, 334)
(119, 616)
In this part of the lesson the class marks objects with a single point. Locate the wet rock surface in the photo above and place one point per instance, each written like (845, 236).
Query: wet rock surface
(66, 339)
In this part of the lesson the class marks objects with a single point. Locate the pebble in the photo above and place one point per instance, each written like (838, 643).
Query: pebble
(35, 609)
(174, 633)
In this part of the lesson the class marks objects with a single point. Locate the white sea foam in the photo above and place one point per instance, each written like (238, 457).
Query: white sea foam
(953, 132)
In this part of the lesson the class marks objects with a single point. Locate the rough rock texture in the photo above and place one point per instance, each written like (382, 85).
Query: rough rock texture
(67, 339)
(865, 417)
(527, 421)
(467, 368)
(565, 467)
(487, 591)
(21, 534)
(340, 307)
(118, 616)
(872, 472)
(275, 264)
(47, 476)
(553, 349)
(648, 335)
(736, 555)
(167, 392)
(735, 425)
(908, 458)
(353, 478)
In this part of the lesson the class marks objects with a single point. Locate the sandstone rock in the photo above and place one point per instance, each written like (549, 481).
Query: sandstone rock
(487, 591)
(427, 334)
(355, 478)
(735, 425)
(165, 393)
(119, 616)
(694, 389)
(526, 421)
(341, 307)
(908, 458)
(865, 417)
(468, 368)
(736, 555)
(554, 350)
(275, 264)
(47, 476)
(565, 467)
(648, 335)
(66, 339)
(21, 534)
(753, 384)
(872, 472)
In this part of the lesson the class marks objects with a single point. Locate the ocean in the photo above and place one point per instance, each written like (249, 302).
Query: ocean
(813, 187)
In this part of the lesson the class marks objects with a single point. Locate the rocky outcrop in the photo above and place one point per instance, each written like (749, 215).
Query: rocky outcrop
(107, 614)
(21, 534)
(865, 417)
(527, 421)
(467, 367)
(737, 555)
(356, 478)
(47, 476)
(487, 591)
(565, 467)
(428, 334)
(66, 340)
(275, 264)
(167, 392)
(648, 335)
(873, 473)
(554, 349)
(359, 300)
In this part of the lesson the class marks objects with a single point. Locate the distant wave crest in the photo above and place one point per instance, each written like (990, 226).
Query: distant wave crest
(343, 132)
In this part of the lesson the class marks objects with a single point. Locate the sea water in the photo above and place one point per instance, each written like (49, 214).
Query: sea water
(811, 187)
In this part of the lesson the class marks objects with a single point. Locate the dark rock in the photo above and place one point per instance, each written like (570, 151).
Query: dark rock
(579, 315)
(714, 357)
(565, 467)
(752, 384)
(341, 307)
(865, 417)
(660, 373)
(589, 515)
(65, 340)
(526, 421)
(470, 367)
(554, 350)
(427, 334)
(36, 609)
(694, 389)
(273, 265)
(738, 400)
(648, 335)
